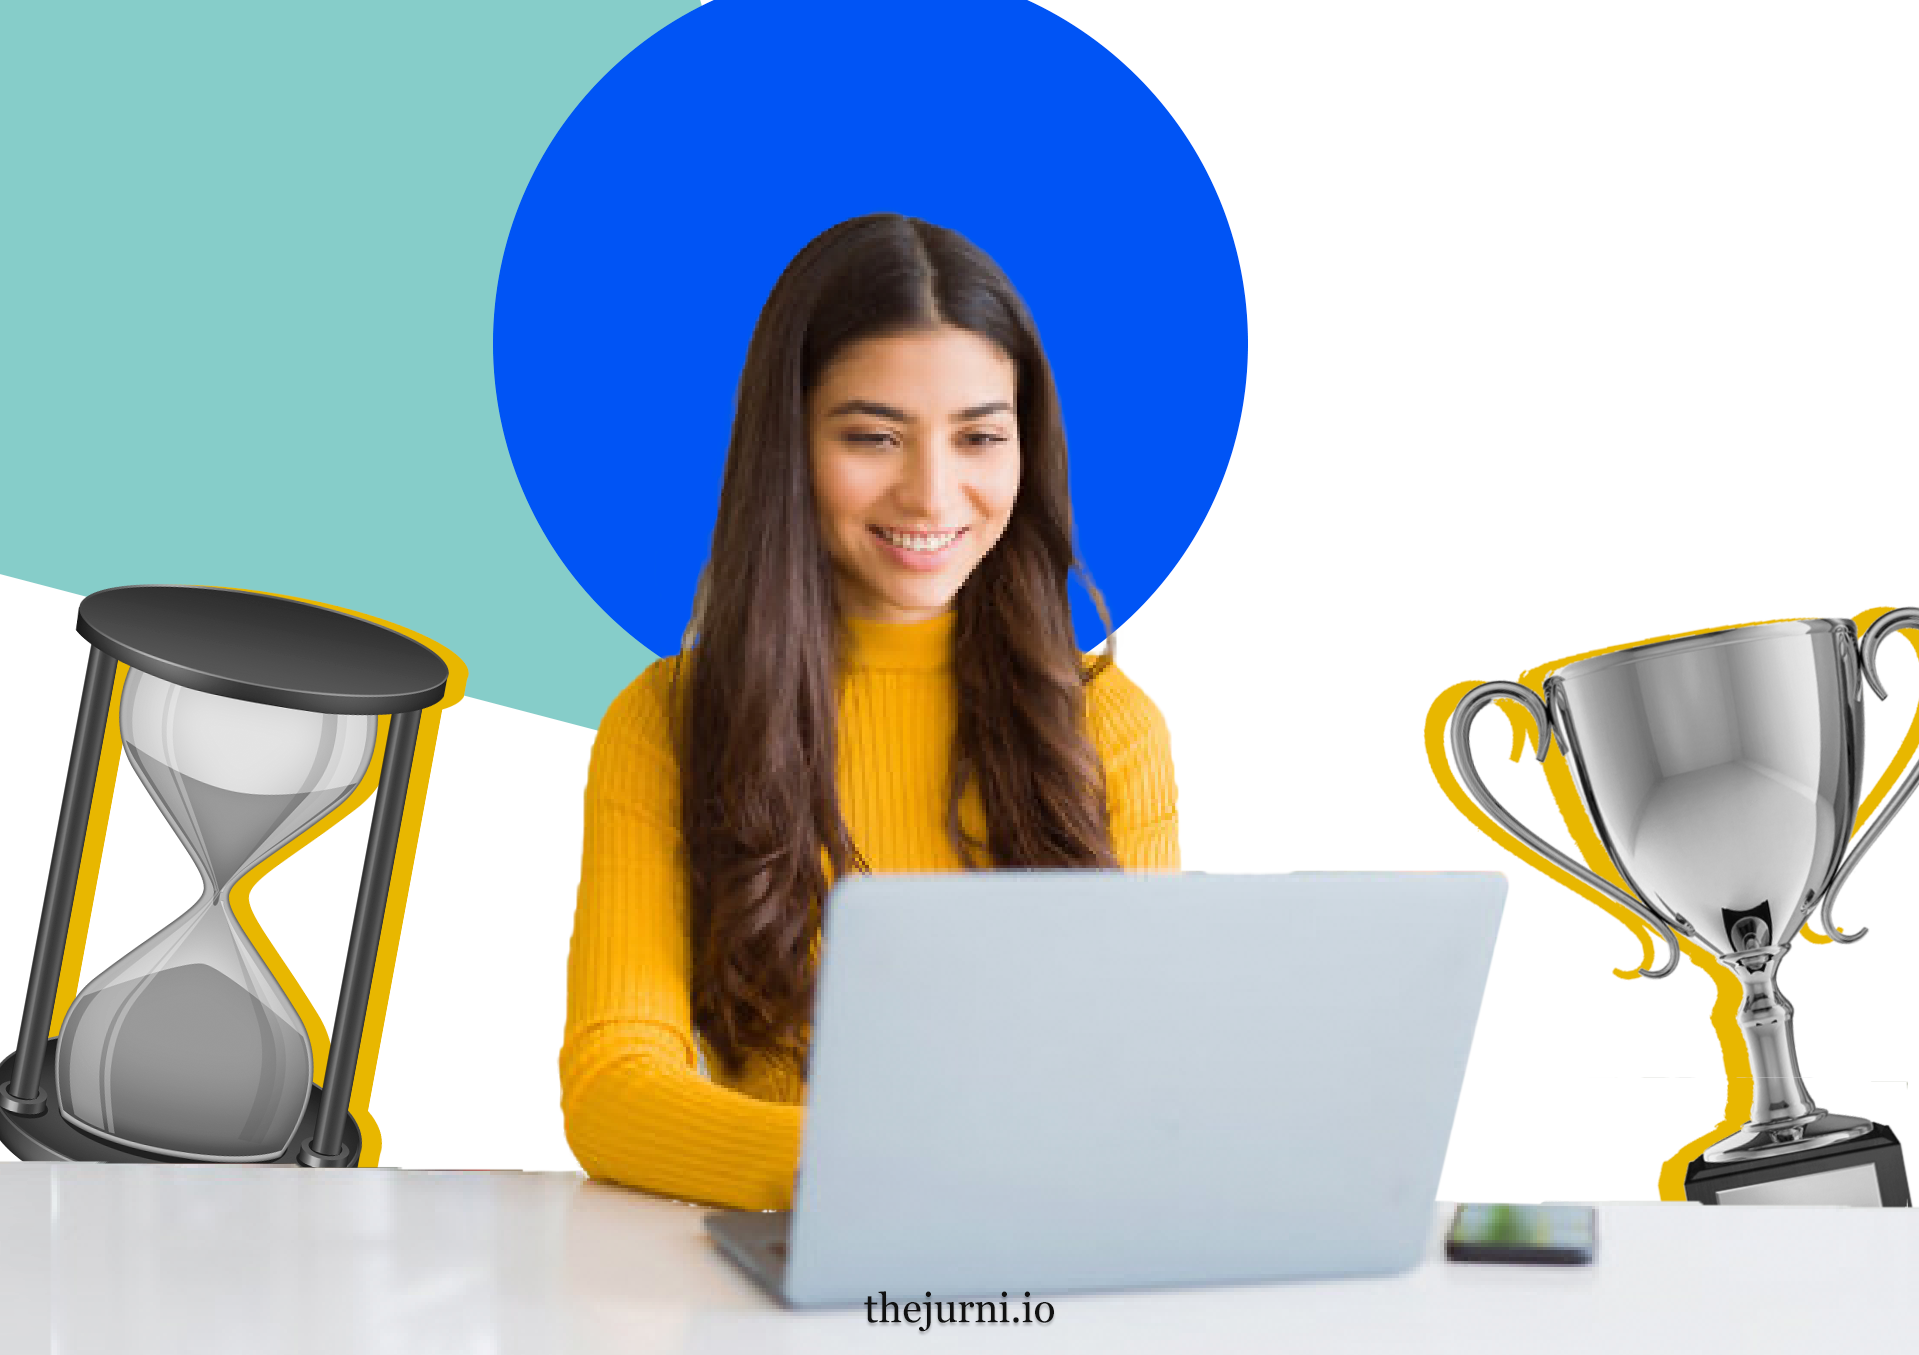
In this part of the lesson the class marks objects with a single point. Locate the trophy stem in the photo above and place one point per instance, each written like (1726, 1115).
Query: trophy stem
(1785, 1118)
(1778, 1091)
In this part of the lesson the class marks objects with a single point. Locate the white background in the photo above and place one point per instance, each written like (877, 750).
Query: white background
(1569, 326)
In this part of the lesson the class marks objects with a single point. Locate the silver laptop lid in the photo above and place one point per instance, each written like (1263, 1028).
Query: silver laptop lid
(1050, 1081)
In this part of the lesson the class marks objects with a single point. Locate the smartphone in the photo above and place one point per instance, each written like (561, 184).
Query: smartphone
(1522, 1234)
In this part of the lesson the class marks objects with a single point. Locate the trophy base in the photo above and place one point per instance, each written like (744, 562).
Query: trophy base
(1860, 1169)
(1781, 1138)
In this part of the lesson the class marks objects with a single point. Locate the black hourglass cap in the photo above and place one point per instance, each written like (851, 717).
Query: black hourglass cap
(267, 649)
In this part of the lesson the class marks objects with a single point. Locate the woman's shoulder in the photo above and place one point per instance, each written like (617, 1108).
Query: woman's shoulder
(643, 711)
(1120, 716)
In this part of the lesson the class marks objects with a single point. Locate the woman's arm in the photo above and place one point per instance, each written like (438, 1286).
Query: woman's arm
(1142, 799)
(637, 1109)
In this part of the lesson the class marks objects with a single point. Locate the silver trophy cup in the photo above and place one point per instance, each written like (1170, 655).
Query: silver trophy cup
(1722, 772)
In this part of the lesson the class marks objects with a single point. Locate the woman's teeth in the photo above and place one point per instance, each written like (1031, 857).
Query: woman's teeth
(919, 541)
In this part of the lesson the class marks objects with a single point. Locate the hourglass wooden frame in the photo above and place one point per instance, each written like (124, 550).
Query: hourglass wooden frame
(271, 651)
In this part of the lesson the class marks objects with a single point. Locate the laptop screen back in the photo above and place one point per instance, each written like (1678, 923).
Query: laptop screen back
(1074, 1080)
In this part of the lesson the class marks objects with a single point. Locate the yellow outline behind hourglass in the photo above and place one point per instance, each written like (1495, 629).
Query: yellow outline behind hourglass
(239, 896)
(1727, 991)
(105, 776)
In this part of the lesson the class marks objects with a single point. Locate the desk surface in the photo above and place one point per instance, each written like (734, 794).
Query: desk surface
(212, 1259)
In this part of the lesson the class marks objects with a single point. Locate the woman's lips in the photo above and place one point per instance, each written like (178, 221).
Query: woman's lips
(918, 551)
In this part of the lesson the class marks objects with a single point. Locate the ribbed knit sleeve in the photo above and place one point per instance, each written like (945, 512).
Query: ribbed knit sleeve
(1142, 800)
(637, 1109)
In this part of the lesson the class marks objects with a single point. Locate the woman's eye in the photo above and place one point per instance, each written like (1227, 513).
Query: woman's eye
(981, 439)
(863, 439)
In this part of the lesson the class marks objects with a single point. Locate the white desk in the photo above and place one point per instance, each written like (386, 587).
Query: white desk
(212, 1259)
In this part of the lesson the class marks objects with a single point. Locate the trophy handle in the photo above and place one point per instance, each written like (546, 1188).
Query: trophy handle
(1457, 731)
(1905, 618)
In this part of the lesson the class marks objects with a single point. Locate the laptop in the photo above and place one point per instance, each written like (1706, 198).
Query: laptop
(1049, 1081)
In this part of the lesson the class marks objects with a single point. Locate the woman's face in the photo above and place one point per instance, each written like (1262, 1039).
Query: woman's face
(916, 460)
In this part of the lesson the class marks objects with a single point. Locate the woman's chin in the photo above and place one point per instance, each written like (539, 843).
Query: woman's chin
(900, 595)
(912, 604)
(921, 610)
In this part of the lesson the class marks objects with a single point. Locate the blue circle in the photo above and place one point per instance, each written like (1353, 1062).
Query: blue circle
(666, 206)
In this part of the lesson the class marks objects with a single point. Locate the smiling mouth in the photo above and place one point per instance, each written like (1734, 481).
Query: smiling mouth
(923, 543)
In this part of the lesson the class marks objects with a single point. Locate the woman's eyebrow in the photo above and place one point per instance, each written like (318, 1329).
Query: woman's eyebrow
(871, 409)
(874, 410)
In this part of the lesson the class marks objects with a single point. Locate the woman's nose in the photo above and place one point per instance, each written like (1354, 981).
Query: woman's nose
(926, 483)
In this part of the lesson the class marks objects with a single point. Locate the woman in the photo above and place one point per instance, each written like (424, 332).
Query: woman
(882, 676)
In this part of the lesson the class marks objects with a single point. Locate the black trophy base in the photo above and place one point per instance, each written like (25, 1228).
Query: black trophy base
(1868, 1170)
(52, 1137)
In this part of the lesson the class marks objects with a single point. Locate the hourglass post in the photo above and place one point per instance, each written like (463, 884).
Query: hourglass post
(327, 1147)
(23, 1095)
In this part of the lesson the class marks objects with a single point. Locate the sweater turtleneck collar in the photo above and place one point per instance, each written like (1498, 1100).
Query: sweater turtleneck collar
(896, 646)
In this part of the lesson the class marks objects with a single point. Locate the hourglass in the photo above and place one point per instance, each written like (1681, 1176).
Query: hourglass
(248, 718)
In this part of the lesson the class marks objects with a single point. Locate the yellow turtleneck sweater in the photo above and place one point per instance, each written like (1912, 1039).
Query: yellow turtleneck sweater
(639, 1108)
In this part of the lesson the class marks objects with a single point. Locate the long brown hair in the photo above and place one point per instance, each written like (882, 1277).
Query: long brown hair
(758, 692)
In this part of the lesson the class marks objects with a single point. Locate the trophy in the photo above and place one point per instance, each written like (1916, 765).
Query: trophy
(1722, 774)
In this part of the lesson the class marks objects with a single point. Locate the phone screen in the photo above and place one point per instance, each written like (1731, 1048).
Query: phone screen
(1544, 1234)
